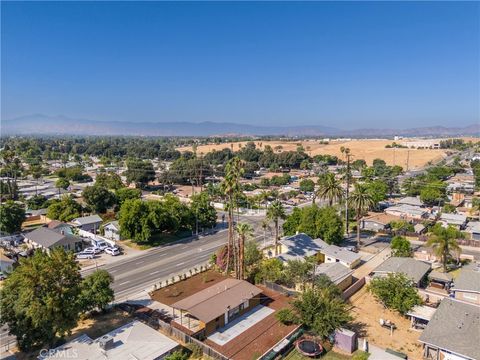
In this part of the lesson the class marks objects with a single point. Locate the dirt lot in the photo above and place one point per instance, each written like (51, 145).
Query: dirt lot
(367, 313)
(367, 150)
(180, 290)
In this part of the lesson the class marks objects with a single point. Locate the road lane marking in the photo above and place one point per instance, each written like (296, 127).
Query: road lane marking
(180, 264)
(139, 262)
(123, 283)
(155, 272)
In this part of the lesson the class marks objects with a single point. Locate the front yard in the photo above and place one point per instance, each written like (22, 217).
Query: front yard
(157, 240)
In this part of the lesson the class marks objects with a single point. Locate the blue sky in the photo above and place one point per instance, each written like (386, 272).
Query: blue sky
(341, 64)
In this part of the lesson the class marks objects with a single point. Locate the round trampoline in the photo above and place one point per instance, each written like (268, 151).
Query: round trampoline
(309, 348)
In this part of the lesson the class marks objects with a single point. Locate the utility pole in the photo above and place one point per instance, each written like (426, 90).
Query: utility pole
(408, 157)
(347, 192)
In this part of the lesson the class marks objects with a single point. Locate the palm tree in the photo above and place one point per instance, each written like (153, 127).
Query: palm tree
(265, 225)
(276, 212)
(244, 232)
(264, 195)
(329, 188)
(444, 241)
(361, 200)
(231, 188)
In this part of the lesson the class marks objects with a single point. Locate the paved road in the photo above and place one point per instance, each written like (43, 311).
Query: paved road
(142, 271)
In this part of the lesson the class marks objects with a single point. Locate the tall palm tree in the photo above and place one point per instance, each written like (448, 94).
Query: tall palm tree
(329, 188)
(275, 212)
(230, 187)
(264, 195)
(361, 200)
(244, 232)
(444, 242)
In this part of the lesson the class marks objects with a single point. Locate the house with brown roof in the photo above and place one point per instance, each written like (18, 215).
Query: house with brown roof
(378, 221)
(214, 307)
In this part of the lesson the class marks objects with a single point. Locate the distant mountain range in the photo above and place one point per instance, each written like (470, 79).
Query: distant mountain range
(39, 124)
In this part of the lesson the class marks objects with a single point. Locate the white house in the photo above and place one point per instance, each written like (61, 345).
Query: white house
(112, 230)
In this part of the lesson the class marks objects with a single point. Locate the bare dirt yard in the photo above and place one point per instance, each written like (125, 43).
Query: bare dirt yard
(367, 312)
(367, 150)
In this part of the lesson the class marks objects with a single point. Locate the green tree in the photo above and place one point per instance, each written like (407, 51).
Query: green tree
(307, 185)
(96, 292)
(231, 189)
(139, 172)
(37, 202)
(320, 310)
(178, 355)
(244, 232)
(433, 194)
(270, 270)
(62, 183)
(298, 272)
(329, 225)
(401, 226)
(395, 291)
(377, 189)
(202, 208)
(275, 212)
(329, 188)
(316, 222)
(253, 256)
(39, 300)
(98, 198)
(444, 242)
(109, 180)
(64, 210)
(400, 247)
(134, 220)
(361, 200)
(125, 193)
(12, 215)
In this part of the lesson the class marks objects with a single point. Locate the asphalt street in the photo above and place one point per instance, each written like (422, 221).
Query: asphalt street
(142, 271)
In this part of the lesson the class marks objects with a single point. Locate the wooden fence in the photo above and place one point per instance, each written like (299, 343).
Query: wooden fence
(169, 330)
(352, 289)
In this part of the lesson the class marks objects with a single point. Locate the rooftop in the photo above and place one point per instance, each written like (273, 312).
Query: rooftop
(87, 220)
(407, 209)
(300, 246)
(48, 238)
(381, 218)
(468, 279)
(455, 219)
(454, 327)
(208, 304)
(336, 272)
(414, 269)
(411, 200)
(134, 340)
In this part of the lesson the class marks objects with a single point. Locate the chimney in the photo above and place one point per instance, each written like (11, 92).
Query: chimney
(105, 342)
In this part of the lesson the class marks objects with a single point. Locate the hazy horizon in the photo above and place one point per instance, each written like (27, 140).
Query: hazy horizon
(345, 65)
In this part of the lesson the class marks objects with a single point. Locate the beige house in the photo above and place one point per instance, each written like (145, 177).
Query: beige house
(210, 309)
(466, 286)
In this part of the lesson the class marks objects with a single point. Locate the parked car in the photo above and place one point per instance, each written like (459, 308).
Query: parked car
(83, 255)
(352, 248)
(92, 250)
(102, 245)
(112, 251)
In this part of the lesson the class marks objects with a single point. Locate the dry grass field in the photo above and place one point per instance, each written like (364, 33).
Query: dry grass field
(367, 150)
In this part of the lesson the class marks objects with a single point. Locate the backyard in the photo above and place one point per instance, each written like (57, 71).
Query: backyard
(331, 355)
(367, 312)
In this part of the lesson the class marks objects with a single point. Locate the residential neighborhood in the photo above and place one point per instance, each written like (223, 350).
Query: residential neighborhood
(240, 180)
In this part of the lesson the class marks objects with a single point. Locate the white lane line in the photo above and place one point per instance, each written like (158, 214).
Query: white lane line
(155, 272)
(112, 271)
(123, 283)
(139, 262)
(180, 264)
